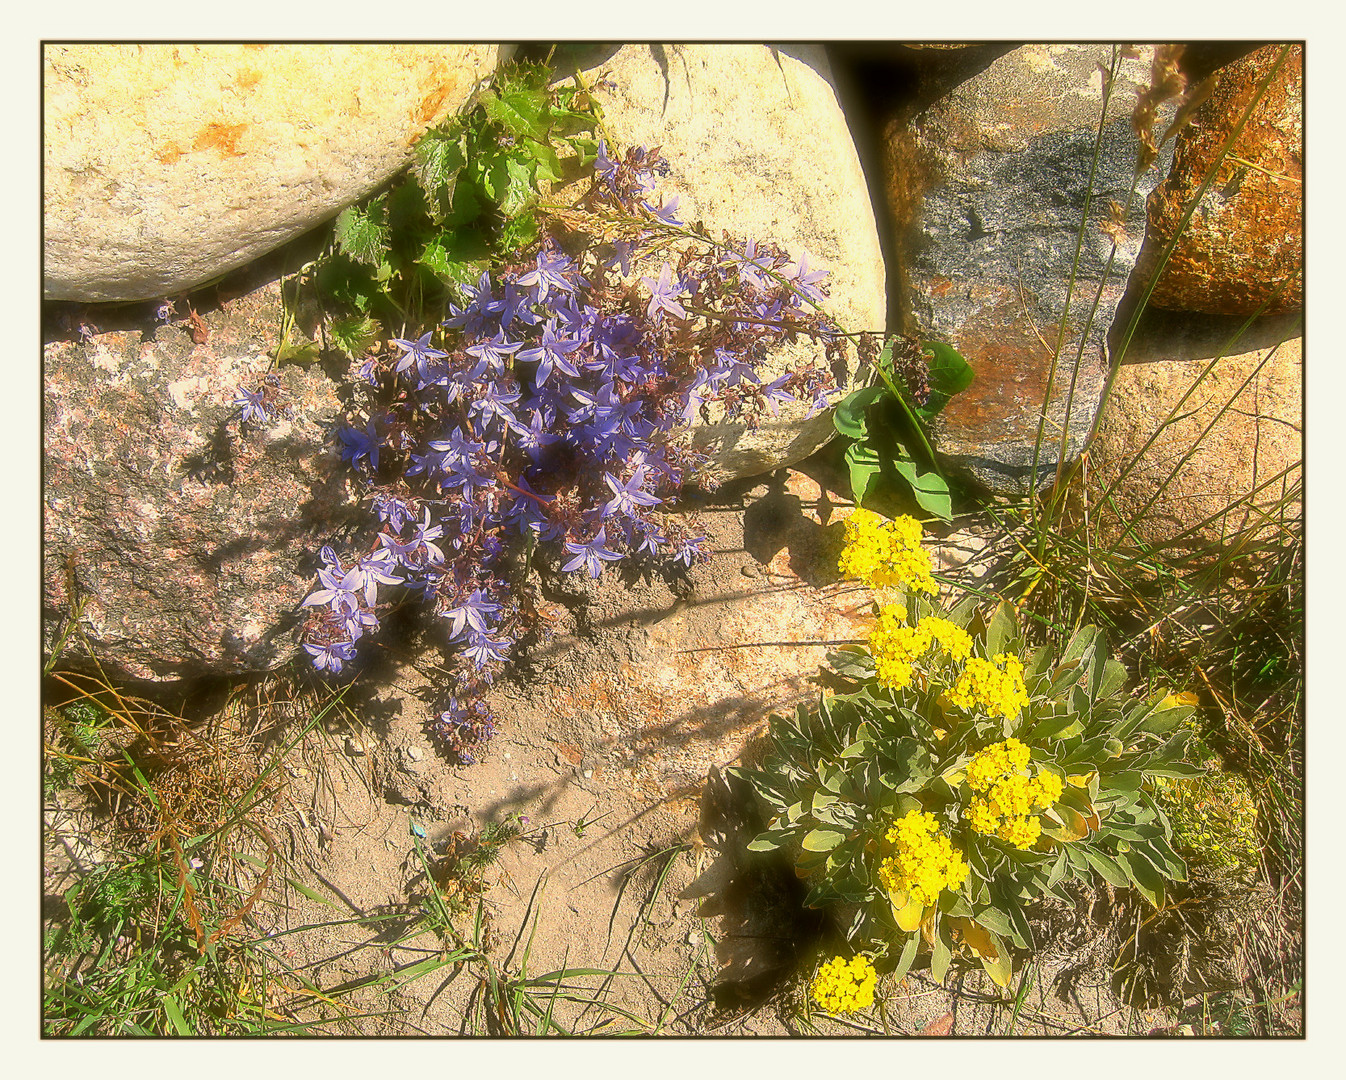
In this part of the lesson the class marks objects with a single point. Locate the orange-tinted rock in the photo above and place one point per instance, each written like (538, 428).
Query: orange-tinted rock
(1246, 236)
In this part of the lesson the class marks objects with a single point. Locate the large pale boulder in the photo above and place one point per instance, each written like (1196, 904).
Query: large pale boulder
(989, 185)
(168, 165)
(757, 144)
(1227, 468)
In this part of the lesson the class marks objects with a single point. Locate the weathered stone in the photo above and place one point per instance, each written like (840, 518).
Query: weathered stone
(1248, 461)
(991, 184)
(185, 544)
(1245, 239)
(168, 165)
(757, 145)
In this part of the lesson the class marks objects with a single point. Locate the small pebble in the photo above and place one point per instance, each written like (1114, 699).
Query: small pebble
(415, 753)
(354, 746)
(588, 774)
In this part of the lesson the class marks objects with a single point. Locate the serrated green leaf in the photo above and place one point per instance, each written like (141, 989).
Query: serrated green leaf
(440, 157)
(354, 334)
(451, 271)
(519, 111)
(362, 232)
(850, 416)
(520, 232)
(548, 165)
(514, 187)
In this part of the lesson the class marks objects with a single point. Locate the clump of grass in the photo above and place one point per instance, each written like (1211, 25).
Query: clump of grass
(1216, 607)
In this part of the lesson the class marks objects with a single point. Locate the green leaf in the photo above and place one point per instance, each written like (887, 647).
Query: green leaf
(362, 233)
(175, 1017)
(941, 952)
(949, 374)
(1162, 721)
(354, 334)
(520, 232)
(907, 958)
(520, 111)
(466, 208)
(1106, 867)
(548, 164)
(1003, 629)
(440, 157)
(822, 840)
(514, 185)
(864, 468)
(456, 258)
(1112, 679)
(850, 416)
(312, 894)
(929, 488)
(995, 920)
(1079, 643)
(771, 840)
(1061, 725)
(1144, 876)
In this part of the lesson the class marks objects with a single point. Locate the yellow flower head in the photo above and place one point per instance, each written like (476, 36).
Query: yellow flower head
(885, 553)
(845, 985)
(923, 861)
(1008, 796)
(897, 647)
(996, 686)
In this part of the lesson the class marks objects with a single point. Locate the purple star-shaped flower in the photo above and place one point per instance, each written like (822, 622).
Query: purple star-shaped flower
(331, 656)
(626, 497)
(470, 614)
(663, 293)
(254, 406)
(591, 555)
(420, 353)
(553, 271)
(340, 591)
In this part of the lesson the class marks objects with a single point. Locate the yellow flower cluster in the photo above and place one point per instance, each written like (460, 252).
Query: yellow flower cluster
(896, 647)
(1010, 797)
(845, 985)
(996, 685)
(923, 861)
(885, 553)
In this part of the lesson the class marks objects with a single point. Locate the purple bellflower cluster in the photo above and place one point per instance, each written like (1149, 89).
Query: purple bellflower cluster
(546, 410)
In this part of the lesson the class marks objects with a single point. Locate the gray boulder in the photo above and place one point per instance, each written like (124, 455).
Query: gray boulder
(1002, 175)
